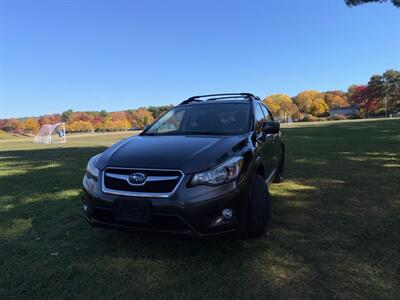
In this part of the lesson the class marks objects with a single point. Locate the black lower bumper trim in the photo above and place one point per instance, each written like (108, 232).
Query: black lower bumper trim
(162, 228)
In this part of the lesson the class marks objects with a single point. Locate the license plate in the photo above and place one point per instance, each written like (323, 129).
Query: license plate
(129, 210)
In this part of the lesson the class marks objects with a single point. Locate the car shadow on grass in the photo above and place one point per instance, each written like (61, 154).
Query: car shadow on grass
(48, 250)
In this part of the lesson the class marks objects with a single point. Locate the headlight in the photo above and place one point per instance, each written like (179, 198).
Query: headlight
(224, 172)
(91, 169)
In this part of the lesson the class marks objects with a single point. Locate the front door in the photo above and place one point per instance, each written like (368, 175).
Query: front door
(266, 149)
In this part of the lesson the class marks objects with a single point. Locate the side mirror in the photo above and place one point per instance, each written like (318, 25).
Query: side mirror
(271, 127)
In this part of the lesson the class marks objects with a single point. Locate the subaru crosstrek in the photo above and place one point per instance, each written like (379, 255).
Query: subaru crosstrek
(201, 169)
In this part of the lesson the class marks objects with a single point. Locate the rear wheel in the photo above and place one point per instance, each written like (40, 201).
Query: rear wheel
(259, 208)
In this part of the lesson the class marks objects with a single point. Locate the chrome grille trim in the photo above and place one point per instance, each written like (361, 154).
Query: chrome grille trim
(140, 194)
(148, 178)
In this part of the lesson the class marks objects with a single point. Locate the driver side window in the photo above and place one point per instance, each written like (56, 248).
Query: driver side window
(260, 118)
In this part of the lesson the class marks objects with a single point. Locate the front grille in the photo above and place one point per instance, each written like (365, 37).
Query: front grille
(157, 182)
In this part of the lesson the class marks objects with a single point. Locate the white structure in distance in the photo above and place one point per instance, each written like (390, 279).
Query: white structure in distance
(51, 134)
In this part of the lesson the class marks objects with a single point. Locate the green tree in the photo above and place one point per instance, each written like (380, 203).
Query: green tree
(104, 113)
(391, 89)
(65, 116)
(386, 89)
(376, 85)
(358, 2)
(158, 111)
(350, 92)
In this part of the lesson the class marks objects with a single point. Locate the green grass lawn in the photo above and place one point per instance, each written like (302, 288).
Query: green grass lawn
(335, 231)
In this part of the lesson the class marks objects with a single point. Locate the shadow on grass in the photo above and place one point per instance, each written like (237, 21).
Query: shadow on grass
(340, 207)
(335, 231)
(54, 251)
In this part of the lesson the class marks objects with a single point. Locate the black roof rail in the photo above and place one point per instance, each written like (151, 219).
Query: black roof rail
(212, 97)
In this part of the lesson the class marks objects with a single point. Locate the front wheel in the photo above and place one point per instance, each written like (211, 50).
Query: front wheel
(259, 208)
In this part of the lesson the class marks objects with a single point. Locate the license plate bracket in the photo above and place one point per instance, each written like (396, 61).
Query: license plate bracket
(132, 210)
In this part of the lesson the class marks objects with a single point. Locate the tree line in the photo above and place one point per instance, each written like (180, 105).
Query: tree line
(379, 96)
(88, 121)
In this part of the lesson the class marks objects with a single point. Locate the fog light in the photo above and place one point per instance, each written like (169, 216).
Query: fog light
(227, 214)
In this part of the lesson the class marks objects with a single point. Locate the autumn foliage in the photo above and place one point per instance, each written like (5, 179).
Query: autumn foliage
(306, 99)
(380, 94)
(362, 96)
(91, 121)
(336, 99)
(30, 125)
(281, 105)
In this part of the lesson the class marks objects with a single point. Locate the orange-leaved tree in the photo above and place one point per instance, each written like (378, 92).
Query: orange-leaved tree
(336, 99)
(80, 126)
(281, 105)
(117, 121)
(30, 125)
(311, 102)
(318, 107)
(116, 125)
(142, 117)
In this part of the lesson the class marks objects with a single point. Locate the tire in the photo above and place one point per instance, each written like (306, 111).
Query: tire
(259, 211)
(279, 176)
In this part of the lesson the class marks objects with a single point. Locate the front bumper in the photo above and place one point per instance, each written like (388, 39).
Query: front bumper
(194, 211)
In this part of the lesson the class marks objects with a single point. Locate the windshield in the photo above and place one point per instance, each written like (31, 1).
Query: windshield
(213, 118)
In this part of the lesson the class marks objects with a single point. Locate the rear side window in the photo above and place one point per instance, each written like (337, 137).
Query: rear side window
(267, 113)
(260, 118)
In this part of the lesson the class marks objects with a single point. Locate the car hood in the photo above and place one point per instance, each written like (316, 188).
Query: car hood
(190, 154)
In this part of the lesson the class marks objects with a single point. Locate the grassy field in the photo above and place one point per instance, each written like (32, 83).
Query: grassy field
(335, 232)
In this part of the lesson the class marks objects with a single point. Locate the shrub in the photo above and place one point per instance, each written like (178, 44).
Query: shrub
(338, 117)
(309, 118)
(357, 116)
(324, 115)
(297, 116)
(380, 112)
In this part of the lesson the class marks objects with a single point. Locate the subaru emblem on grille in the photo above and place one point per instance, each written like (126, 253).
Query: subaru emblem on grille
(137, 179)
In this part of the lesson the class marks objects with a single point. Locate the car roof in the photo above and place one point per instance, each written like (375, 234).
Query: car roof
(225, 101)
(224, 97)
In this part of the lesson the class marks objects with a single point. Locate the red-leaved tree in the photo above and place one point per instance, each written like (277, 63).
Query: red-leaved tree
(364, 98)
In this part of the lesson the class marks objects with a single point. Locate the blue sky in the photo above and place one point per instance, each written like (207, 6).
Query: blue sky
(114, 55)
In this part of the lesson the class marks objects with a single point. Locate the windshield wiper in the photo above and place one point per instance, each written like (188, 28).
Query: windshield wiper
(188, 133)
(163, 133)
(206, 133)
